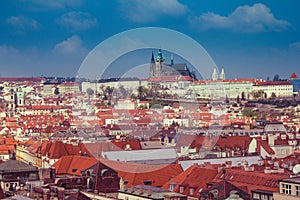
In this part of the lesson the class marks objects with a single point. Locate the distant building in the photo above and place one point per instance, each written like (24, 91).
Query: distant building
(274, 88)
(159, 68)
(14, 173)
(295, 80)
(223, 88)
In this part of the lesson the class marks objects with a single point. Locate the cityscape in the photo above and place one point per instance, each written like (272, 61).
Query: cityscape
(148, 114)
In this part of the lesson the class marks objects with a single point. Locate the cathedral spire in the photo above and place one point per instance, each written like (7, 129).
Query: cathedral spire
(152, 58)
(222, 75)
(215, 75)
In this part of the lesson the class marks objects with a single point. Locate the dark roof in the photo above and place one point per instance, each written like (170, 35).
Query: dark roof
(224, 190)
(16, 166)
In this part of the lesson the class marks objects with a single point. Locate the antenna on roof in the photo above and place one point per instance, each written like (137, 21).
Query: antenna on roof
(296, 169)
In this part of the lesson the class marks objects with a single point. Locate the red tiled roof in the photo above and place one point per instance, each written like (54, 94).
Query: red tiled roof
(136, 174)
(170, 79)
(17, 79)
(234, 141)
(293, 76)
(134, 144)
(252, 180)
(273, 83)
(265, 145)
(73, 165)
(194, 177)
(241, 80)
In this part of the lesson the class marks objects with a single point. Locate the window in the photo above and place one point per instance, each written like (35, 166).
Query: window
(286, 188)
(264, 197)
(256, 196)
(181, 188)
(298, 190)
(191, 191)
(211, 196)
(172, 186)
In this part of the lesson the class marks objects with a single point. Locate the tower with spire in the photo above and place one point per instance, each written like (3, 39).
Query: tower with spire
(215, 75)
(156, 64)
(152, 66)
(222, 75)
(159, 62)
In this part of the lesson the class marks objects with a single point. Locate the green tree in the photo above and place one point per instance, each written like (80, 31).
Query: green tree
(90, 91)
(56, 91)
(248, 112)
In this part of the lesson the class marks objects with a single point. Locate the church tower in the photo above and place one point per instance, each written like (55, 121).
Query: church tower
(215, 75)
(222, 75)
(159, 62)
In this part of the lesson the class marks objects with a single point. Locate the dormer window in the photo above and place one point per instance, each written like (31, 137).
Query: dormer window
(181, 189)
(191, 191)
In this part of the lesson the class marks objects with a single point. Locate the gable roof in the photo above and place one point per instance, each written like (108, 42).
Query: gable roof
(234, 141)
(251, 179)
(12, 166)
(194, 177)
(136, 174)
(224, 189)
(73, 165)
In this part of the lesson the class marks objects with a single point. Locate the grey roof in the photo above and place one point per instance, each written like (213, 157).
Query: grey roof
(150, 192)
(151, 144)
(278, 127)
(235, 160)
(19, 197)
(180, 67)
(150, 156)
(16, 166)
(291, 180)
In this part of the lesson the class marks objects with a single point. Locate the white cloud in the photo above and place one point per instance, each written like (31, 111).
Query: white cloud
(77, 21)
(248, 19)
(150, 11)
(294, 46)
(72, 45)
(22, 23)
(52, 4)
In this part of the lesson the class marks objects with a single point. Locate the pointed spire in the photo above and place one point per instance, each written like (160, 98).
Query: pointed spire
(172, 59)
(215, 75)
(222, 75)
(152, 58)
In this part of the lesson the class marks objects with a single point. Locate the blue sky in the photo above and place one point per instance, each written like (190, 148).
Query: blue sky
(247, 38)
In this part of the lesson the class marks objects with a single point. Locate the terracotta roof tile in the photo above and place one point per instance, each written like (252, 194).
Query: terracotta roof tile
(73, 165)
(194, 177)
(136, 174)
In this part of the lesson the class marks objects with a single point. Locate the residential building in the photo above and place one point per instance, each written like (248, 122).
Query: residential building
(289, 189)
(295, 80)
(15, 173)
(192, 180)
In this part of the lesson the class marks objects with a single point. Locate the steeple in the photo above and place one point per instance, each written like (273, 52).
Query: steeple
(152, 58)
(172, 59)
(160, 57)
(222, 75)
(215, 75)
